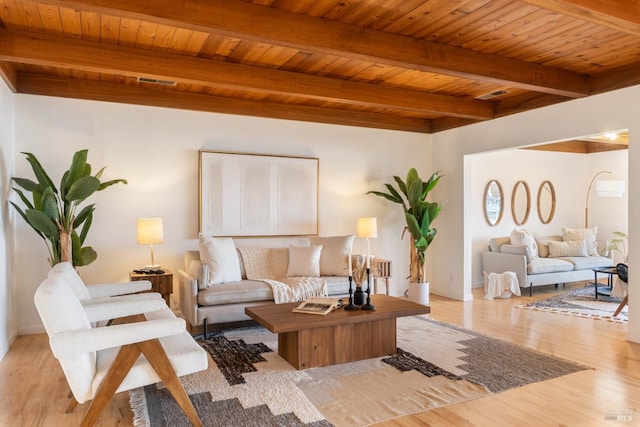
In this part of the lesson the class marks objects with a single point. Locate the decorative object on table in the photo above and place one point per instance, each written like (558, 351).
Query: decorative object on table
(150, 232)
(437, 364)
(53, 213)
(368, 229)
(419, 214)
(580, 302)
(604, 188)
(358, 273)
(350, 306)
(318, 305)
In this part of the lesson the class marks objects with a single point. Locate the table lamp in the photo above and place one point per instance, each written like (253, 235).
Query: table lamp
(150, 232)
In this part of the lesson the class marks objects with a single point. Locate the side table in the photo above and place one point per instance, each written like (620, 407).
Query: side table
(610, 272)
(381, 270)
(161, 283)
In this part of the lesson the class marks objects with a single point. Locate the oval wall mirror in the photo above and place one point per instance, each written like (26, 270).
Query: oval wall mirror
(493, 202)
(546, 202)
(520, 202)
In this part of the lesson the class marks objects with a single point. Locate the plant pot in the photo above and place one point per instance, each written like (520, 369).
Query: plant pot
(419, 293)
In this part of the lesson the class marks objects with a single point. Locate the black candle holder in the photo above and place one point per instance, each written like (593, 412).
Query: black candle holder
(368, 305)
(351, 306)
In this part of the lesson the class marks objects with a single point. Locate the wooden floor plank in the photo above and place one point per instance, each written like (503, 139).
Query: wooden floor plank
(33, 391)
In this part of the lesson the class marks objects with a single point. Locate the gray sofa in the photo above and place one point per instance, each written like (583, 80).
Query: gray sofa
(544, 269)
(222, 304)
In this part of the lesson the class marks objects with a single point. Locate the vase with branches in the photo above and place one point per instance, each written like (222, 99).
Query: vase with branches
(55, 213)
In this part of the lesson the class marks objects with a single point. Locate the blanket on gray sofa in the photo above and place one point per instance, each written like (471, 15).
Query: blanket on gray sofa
(269, 265)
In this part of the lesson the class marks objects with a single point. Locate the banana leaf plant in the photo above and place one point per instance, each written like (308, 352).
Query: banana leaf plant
(419, 215)
(55, 214)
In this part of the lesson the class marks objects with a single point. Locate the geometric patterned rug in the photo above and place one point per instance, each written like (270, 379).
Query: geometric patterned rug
(582, 302)
(437, 364)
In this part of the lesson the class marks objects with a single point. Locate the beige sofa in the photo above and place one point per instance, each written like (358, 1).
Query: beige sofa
(543, 269)
(224, 303)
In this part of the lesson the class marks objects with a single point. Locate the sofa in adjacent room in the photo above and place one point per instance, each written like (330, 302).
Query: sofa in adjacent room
(548, 260)
(219, 280)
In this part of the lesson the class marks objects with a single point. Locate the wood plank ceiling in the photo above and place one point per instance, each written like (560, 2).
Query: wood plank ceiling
(414, 65)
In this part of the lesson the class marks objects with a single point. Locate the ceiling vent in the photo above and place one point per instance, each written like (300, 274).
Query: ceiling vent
(491, 95)
(156, 81)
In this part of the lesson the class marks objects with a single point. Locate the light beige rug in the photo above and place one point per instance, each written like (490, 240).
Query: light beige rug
(248, 384)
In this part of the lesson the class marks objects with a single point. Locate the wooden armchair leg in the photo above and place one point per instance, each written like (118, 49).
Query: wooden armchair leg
(119, 368)
(72, 404)
(621, 306)
(157, 357)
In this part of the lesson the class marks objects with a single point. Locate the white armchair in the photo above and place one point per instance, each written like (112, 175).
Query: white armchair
(98, 362)
(115, 299)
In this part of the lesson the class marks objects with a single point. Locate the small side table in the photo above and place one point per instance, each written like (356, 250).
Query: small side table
(381, 269)
(609, 271)
(161, 283)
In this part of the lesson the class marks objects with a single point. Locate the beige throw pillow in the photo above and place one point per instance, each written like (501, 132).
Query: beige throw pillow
(570, 248)
(304, 261)
(520, 236)
(334, 259)
(221, 257)
(587, 234)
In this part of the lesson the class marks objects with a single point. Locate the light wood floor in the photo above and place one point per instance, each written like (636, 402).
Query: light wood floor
(33, 391)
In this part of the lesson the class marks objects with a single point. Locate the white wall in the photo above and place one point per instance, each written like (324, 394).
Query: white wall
(570, 174)
(595, 114)
(157, 151)
(7, 318)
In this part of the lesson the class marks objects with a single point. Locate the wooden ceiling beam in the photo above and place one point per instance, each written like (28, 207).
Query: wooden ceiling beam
(249, 21)
(40, 49)
(8, 74)
(169, 98)
(621, 15)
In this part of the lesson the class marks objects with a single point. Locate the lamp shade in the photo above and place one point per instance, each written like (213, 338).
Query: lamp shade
(150, 231)
(367, 228)
(610, 188)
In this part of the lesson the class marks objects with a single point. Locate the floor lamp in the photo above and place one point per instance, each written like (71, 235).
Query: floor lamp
(604, 188)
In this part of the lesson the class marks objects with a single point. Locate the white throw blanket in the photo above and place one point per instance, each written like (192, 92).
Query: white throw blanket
(269, 265)
(501, 285)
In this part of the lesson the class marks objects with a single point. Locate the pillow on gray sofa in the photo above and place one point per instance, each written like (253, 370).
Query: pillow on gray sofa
(221, 257)
(335, 253)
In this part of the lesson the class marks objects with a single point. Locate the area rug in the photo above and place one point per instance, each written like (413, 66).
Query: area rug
(248, 384)
(583, 303)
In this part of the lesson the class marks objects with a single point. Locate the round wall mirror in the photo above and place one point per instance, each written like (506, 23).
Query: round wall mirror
(546, 202)
(493, 202)
(520, 202)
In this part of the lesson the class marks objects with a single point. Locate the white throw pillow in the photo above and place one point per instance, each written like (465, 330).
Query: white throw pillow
(219, 253)
(588, 234)
(304, 261)
(334, 259)
(520, 236)
(570, 248)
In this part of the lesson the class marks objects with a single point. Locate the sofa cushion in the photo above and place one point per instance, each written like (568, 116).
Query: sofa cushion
(335, 254)
(572, 248)
(548, 265)
(517, 250)
(520, 236)
(543, 244)
(221, 256)
(496, 242)
(236, 292)
(588, 234)
(304, 261)
(588, 262)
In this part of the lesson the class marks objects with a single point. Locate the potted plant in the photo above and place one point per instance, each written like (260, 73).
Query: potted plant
(53, 213)
(419, 215)
(619, 244)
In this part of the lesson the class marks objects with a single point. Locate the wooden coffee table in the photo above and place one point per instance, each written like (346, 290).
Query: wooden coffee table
(308, 340)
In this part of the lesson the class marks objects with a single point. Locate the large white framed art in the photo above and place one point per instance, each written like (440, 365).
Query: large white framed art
(247, 195)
